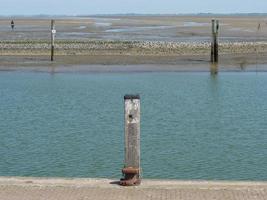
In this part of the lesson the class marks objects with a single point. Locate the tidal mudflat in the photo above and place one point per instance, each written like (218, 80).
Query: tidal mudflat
(134, 40)
(148, 28)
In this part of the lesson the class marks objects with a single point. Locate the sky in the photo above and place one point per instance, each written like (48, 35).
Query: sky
(90, 7)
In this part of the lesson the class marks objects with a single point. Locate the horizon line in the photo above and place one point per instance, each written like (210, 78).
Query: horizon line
(135, 14)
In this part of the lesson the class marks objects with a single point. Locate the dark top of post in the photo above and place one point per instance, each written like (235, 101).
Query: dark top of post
(12, 24)
(217, 26)
(130, 96)
(52, 24)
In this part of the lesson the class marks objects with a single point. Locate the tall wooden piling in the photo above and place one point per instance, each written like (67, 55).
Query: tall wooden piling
(53, 33)
(214, 42)
(131, 170)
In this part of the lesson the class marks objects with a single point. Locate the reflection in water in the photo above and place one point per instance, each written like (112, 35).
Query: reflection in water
(214, 105)
(214, 86)
(214, 69)
(52, 69)
(243, 65)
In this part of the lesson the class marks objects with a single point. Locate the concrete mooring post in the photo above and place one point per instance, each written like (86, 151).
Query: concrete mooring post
(214, 42)
(131, 170)
(53, 34)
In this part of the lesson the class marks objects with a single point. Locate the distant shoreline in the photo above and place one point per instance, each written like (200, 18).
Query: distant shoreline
(133, 40)
(67, 53)
(109, 47)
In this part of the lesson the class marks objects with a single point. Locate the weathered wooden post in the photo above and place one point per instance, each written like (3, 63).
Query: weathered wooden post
(131, 170)
(53, 33)
(214, 42)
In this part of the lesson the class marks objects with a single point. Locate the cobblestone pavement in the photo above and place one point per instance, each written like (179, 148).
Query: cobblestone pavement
(12, 188)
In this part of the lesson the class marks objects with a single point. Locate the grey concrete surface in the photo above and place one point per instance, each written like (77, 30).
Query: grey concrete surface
(14, 188)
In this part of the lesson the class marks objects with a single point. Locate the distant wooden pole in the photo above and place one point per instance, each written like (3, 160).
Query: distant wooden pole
(131, 168)
(53, 33)
(214, 42)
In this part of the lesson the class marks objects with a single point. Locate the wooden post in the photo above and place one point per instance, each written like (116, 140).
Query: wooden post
(53, 33)
(131, 168)
(214, 42)
(12, 24)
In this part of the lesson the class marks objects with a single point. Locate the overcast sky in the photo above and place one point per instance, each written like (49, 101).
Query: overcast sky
(87, 7)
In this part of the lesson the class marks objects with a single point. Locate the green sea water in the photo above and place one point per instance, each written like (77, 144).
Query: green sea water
(193, 125)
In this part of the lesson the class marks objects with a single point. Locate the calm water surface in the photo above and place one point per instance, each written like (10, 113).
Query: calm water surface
(194, 126)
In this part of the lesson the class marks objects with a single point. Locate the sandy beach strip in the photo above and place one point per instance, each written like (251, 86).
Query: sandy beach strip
(164, 56)
(42, 47)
